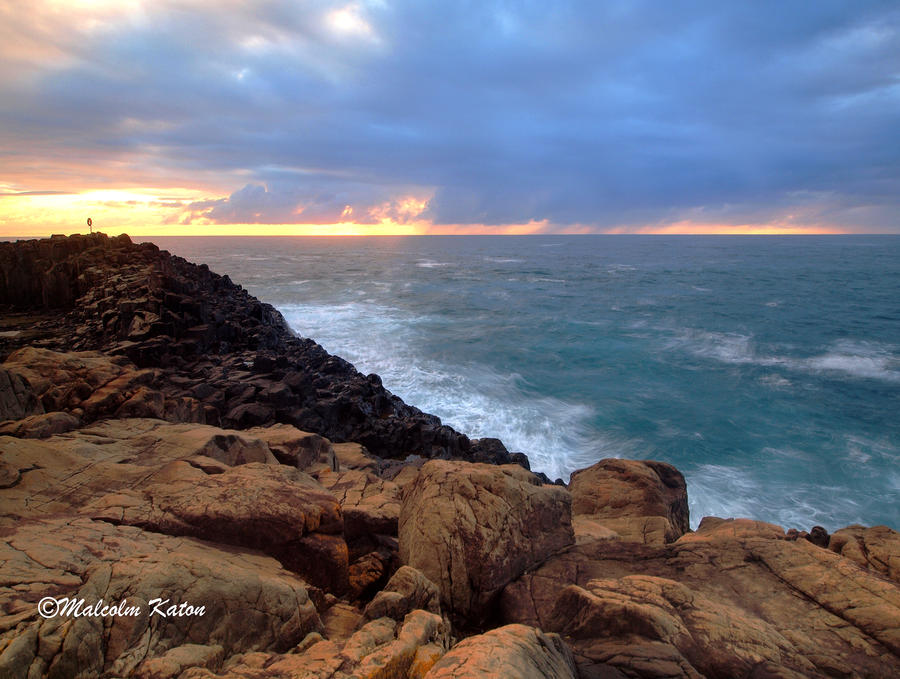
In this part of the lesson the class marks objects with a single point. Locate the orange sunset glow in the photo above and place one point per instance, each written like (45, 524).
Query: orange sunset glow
(165, 212)
(376, 117)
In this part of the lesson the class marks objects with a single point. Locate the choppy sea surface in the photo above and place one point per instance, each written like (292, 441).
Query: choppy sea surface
(767, 369)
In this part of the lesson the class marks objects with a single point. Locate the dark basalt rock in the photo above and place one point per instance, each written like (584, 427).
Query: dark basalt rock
(213, 342)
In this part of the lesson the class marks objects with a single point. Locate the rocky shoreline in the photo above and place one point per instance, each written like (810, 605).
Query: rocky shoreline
(167, 442)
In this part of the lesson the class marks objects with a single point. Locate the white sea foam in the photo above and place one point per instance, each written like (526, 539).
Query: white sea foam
(726, 492)
(858, 359)
(776, 381)
(431, 264)
(504, 260)
(556, 435)
(544, 279)
(791, 455)
(725, 347)
(861, 450)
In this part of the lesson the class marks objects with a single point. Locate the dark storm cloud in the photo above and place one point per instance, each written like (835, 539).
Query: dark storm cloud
(600, 114)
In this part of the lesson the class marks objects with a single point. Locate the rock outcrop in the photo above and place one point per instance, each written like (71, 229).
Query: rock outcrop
(210, 341)
(876, 548)
(182, 479)
(638, 500)
(248, 600)
(733, 598)
(381, 649)
(472, 528)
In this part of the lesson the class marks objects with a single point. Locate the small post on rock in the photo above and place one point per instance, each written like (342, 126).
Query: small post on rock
(91, 225)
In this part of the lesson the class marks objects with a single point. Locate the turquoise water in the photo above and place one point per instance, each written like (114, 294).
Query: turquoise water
(767, 369)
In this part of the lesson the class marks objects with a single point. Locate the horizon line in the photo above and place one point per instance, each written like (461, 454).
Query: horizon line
(7, 237)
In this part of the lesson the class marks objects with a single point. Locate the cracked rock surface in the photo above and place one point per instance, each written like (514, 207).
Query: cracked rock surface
(472, 528)
(250, 601)
(731, 599)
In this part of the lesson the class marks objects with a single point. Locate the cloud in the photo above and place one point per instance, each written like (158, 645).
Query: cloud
(577, 115)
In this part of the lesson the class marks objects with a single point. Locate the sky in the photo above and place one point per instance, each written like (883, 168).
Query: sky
(193, 117)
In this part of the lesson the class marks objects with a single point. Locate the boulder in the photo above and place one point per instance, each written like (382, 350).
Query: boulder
(472, 528)
(367, 573)
(590, 529)
(175, 661)
(144, 403)
(183, 480)
(300, 449)
(381, 649)
(355, 456)
(640, 500)
(371, 505)
(876, 548)
(511, 651)
(9, 474)
(40, 426)
(17, 398)
(420, 637)
(407, 590)
(109, 397)
(341, 620)
(248, 601)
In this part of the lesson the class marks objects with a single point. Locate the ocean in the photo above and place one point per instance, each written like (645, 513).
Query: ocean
(767, 369)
